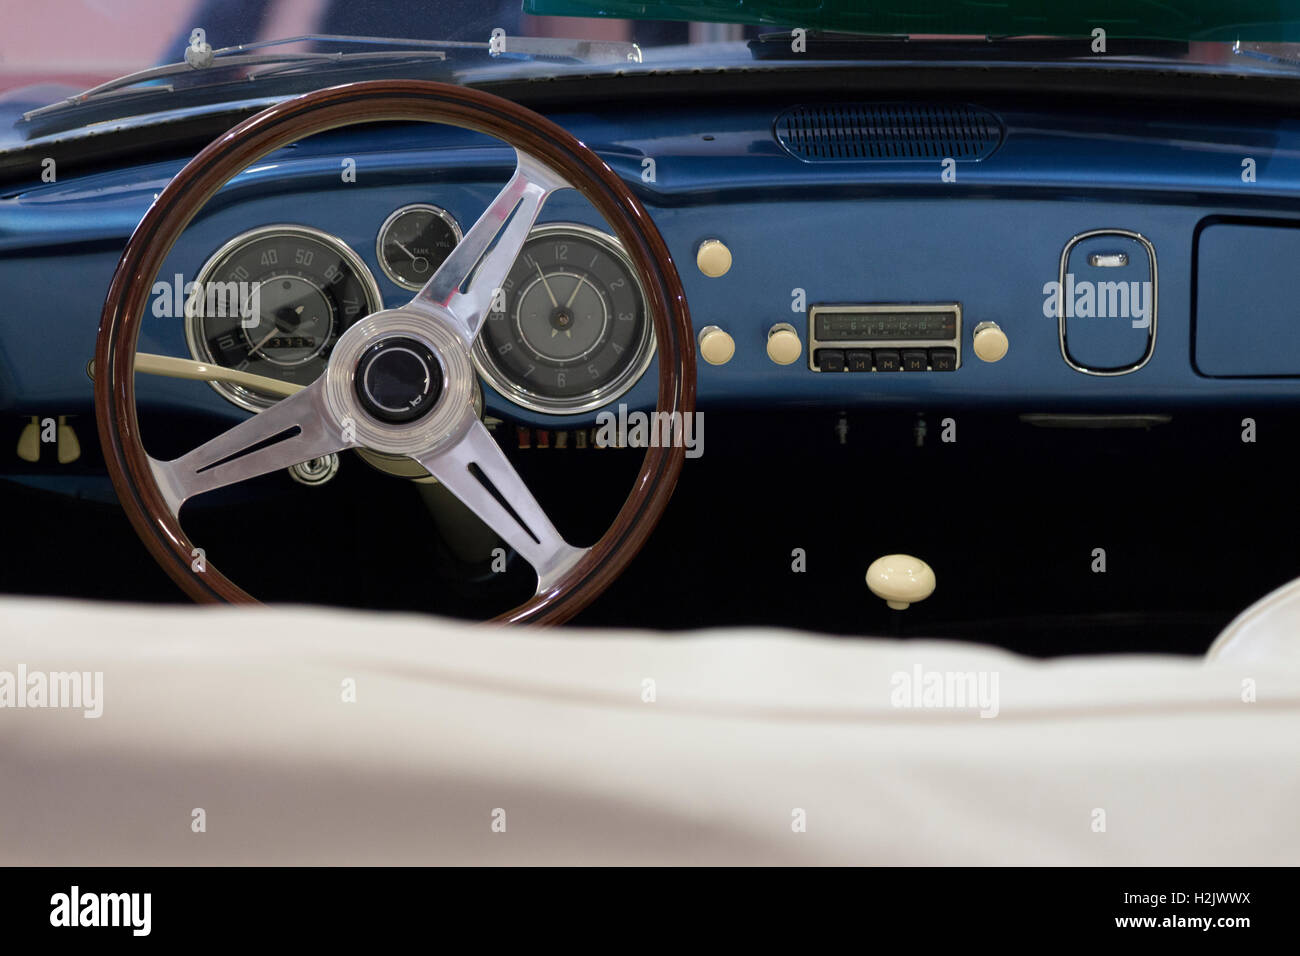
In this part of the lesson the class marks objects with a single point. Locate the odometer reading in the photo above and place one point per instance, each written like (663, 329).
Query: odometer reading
(569, 331)
(298, 290)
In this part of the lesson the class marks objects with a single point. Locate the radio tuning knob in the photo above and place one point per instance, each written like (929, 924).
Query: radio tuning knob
(716, 346)
(990, 342)
(783, 345)
(900, 579)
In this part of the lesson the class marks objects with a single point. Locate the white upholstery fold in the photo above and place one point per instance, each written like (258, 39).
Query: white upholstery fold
(240, 712)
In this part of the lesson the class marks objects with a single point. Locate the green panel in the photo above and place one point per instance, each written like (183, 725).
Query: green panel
(1173, 20)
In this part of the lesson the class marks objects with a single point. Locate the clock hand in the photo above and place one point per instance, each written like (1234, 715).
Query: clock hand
(576, 286)
(548, 285)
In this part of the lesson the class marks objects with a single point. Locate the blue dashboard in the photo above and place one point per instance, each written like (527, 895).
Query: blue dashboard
(1217, 197)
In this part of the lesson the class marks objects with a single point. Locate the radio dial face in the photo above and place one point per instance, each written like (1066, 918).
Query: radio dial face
(885, 337)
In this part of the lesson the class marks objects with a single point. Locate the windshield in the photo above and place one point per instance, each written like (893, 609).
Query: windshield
(53, 49)
(46, 42)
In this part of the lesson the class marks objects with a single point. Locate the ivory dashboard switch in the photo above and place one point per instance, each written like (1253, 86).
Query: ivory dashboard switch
(713, 258)
(716, 346)
(783, 344)
(989, 342)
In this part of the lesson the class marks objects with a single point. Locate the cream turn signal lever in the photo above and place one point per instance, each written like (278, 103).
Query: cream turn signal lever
(900, 579)
(174, 367)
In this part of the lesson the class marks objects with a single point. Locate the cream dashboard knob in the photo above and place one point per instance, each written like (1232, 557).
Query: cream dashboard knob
(713, 257)
(716, 346)
(783, 345)
(900, 579)
(990, 342)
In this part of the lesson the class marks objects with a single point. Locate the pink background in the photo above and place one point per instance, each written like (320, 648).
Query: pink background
(84, 41)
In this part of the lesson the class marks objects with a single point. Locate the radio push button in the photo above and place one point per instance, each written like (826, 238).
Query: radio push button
(915, 360)
(858, 360)
(830, 360)
(943, 360)
(888, 360)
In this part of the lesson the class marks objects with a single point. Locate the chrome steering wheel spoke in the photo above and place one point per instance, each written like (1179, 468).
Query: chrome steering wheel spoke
(398, 382)
(294, 430)
(474, 468)
(468, 279)
(454, 446)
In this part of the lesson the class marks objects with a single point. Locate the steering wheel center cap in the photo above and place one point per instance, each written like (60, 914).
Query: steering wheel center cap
(398, 380)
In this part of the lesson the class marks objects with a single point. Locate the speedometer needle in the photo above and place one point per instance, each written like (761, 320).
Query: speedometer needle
(266, 338)
(275, 330)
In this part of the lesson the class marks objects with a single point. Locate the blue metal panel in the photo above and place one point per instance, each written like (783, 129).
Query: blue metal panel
(841, 232)
(1248, 299)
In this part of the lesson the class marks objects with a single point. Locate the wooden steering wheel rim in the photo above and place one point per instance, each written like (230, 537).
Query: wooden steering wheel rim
(370, 102)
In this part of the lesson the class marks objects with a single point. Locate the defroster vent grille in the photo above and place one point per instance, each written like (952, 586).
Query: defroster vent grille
(888, 132)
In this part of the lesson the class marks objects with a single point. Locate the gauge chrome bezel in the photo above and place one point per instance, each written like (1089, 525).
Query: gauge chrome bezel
(603, 395)
(396, 214)
(194, 336)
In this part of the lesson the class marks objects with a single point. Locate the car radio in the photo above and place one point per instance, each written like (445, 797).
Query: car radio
(888, 337)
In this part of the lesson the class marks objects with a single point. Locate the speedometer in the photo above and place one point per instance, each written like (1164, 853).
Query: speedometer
(569, 331)
(273, 301)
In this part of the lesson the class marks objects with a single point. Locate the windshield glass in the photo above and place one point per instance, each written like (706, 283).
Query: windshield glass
(85, 42)
(52, 49)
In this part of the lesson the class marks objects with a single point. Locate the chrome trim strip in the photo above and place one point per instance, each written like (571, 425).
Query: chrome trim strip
(1108, 260)
(1060, 303)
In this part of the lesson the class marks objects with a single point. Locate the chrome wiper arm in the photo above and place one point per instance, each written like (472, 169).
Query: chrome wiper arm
(359, 41)
(588, 51)
(289, 66)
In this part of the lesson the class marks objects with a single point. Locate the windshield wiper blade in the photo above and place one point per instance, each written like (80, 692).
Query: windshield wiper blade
(244, 55)
(223, 59)
(1280, 55)
(544, 48)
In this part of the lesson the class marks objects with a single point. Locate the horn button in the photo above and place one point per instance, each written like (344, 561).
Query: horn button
(398, 380)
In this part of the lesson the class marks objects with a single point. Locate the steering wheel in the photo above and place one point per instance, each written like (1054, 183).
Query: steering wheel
(399, 381)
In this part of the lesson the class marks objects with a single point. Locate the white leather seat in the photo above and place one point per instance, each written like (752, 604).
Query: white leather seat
(1267, 632)
(240, 713)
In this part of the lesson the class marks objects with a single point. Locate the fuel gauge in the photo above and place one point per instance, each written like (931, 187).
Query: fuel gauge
(414, 241)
